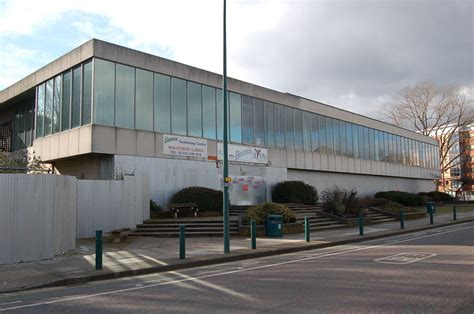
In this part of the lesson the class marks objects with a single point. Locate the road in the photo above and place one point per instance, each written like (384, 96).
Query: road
(430, 271)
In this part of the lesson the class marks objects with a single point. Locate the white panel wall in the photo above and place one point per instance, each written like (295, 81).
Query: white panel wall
(37, 216)
(108, 205)
(365, 185)
(167, 176)
(42, 215)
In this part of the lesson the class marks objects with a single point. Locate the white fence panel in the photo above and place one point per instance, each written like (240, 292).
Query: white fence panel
(108, 205)
(42, 215)
(37, 216)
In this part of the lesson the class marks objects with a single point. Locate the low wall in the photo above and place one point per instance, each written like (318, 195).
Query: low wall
(288, 228)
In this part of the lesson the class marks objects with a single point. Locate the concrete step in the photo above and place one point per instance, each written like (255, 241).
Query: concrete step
(186, 221)
(190, 225)
(176, 234)
(171, 229)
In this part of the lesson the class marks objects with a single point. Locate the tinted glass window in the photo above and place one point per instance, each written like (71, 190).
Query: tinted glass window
(298, 129)
(289, 128)
(279, 126)
(259, 122)
(343, 138)
(87, 93)
(104, 92)
(269, 124)
(247, 120)
(330, 135)
(125, 97)
(194, 109)
(209, 112)
(337, 136)
(307, 131)
(48, 108)
(235, 117)
(350, 151)
(162, 103)
(371, 144)
(66, 103)
(220, 115)
(314, 133)
(355, 140)
(57, 103)
(76, 98)
(323, 146)
(178, 106)
(144, 100)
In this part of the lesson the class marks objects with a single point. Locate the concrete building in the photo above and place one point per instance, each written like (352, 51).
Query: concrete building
(458, 180)
(102, 111)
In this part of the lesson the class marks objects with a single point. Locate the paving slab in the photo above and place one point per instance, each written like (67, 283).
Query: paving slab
(140, 255)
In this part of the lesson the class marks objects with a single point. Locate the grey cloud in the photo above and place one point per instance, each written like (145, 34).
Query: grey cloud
(326, 49)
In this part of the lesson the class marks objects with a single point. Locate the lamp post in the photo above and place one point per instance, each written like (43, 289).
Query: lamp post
(225, 148)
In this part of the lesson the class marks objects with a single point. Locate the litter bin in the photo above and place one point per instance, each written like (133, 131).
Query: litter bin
(431, 206)
(274, 226)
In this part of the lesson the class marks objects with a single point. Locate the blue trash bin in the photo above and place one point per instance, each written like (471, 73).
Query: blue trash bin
(274, 226)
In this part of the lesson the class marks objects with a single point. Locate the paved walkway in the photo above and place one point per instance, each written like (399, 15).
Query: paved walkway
(139, 254)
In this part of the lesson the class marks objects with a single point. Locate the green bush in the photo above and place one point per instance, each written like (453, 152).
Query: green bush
(260, 212)
(404, 198)
(205, 199)
(385, 204)
(367, 202)
(341, 202)
(437, 197)
(154, 207)
(294, 192)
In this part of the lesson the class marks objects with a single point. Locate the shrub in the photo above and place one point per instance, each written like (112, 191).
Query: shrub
(367, 202)
(205, 199)
(404, 198)
(341, 202)
(437, 197)
(294, 192)
(154, 207)
(260, 212)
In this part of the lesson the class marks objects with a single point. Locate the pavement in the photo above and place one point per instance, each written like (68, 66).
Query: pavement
(430, 271)
(146, 255)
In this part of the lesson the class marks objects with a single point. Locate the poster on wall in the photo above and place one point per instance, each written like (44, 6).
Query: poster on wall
(184, 146)
(244, 153)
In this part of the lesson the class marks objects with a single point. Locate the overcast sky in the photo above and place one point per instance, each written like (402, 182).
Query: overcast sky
(349, 54)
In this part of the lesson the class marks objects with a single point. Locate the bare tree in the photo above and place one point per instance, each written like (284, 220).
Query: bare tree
(435, 111)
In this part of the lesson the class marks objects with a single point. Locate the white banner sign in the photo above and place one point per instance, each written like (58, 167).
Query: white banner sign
(184, 146)
(244, 153)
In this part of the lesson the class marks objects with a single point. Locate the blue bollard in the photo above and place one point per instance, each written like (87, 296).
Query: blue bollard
(431, 215)
(361, 224)
(98, 249)
(253, 234)
(454, 213)
(182, 241)
(402, 219)
(307, 229)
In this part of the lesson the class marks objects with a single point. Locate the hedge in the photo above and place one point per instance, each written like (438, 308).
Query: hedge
(404, 198)
(437, 197)
(294, 192)
(260, 212)
(206, 199)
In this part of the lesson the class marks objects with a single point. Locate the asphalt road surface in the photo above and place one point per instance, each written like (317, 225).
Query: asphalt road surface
(430, 271)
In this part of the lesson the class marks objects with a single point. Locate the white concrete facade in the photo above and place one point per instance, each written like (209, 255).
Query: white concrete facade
(93, 151)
